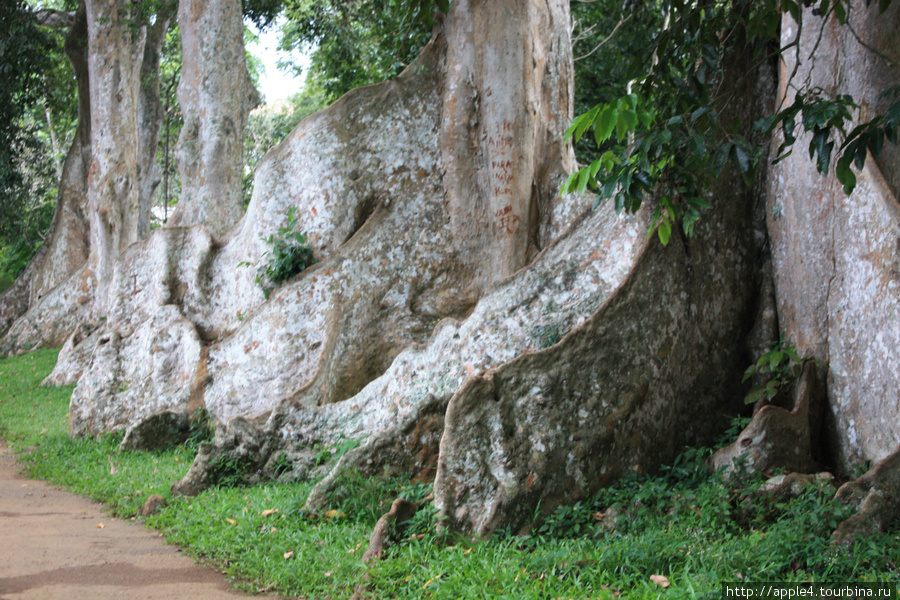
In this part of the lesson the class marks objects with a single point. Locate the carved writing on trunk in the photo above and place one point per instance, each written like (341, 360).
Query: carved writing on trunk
(502, 176)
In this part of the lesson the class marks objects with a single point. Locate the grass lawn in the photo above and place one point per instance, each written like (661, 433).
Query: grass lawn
(683, 524)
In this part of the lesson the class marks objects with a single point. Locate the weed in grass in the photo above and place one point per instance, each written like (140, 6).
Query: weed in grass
(200, 429)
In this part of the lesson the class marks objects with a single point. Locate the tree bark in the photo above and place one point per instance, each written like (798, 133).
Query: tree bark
(116, 47)
(151, 115)
(836, 259)
(216, 95)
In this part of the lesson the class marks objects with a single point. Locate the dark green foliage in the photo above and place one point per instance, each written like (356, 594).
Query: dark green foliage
(290, 254)
(685, 518)
(360, 498)
(200, 429)
(608, 38)
(826, 119)
(780, 368)
(230, 471)
(262, 12)
(35, 119)
(672, 137)
(282, 465)
(357, 43)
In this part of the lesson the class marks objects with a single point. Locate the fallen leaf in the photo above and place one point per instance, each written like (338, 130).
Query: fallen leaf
(288, 554)
(112, 468)
(598, 516)
(231, 521)
(100, 526)
(334, 513)
(327, 573)
(660, 580)
(269, 511)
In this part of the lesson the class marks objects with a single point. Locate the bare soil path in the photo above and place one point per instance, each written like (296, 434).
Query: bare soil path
(52, 546)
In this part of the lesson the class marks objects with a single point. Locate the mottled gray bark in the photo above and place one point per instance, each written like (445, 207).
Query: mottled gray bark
(150, 114)
(107, 182)
(114, 64)
(216, 95)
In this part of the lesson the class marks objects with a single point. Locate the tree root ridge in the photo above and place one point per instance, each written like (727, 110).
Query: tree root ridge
(876, 498)
(776, 437)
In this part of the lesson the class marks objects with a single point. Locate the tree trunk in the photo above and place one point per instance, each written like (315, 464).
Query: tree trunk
(116, 48)
(216, 95)
(648, 343)
(836, 258)
(66, 247)
(104, 196)
(151, 115)
(375, 202)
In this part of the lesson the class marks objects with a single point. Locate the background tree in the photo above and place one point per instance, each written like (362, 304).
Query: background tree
(36, 123)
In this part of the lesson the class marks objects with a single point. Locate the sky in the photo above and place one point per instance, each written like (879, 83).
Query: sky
(274, 84)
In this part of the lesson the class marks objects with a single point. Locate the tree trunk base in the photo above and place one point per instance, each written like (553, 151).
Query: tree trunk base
(876, 498)
(776, 437)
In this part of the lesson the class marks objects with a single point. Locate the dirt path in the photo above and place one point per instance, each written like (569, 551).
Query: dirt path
(52, 547)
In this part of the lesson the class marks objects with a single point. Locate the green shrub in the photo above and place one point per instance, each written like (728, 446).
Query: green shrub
(290, 254)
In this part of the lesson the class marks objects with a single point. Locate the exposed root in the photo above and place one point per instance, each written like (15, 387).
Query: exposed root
(876, 498)
(389, 528)
(776, 437)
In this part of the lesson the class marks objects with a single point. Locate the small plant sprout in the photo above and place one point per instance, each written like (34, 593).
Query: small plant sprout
(780, 368)
(290, 254)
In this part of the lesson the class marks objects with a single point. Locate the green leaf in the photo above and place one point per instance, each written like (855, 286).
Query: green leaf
(603, 126)
(583, 122)
(822, 148)
(609, 160)
(621, 127)
(740, 158)
(700, 112)
(569, 185)
(584, 176)
(750, 372)
(793, 8)
(845, 174)
(443, 6)
(840, 12)
(775, 358)
(754, 395)
(664, 230)
(645, 118)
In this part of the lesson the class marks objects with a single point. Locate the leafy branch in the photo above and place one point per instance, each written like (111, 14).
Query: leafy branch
(780, 368)
(669, 139)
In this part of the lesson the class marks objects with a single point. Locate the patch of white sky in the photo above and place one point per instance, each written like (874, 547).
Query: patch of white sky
(275, 84)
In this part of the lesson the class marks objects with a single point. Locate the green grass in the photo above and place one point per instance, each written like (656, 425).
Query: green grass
(683, 523)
